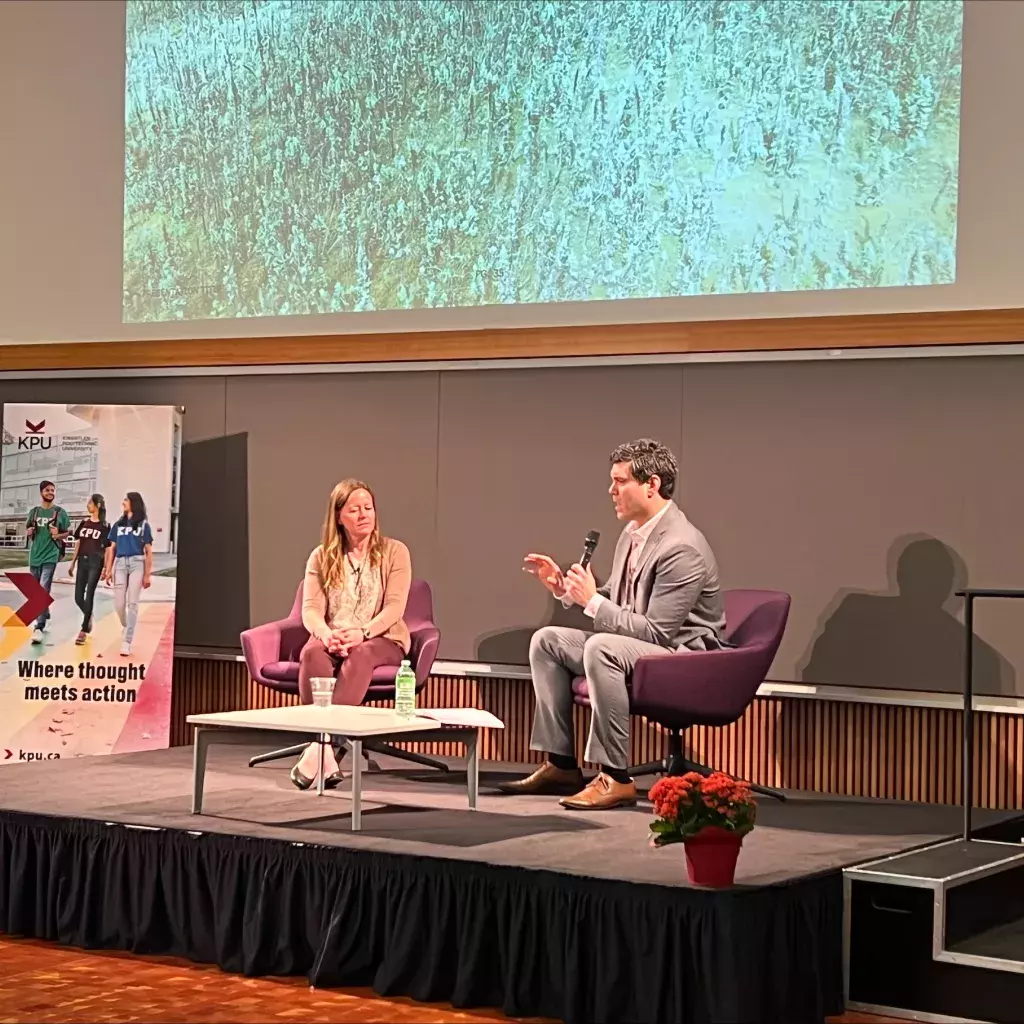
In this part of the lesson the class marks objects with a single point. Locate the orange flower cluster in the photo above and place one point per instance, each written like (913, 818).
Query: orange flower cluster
(715, 798)
(720, 789)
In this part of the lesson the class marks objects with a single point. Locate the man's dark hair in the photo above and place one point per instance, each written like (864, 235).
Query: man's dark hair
(648, 458)
(45, 484)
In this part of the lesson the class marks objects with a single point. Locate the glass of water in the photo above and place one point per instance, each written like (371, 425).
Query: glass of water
(323, 689)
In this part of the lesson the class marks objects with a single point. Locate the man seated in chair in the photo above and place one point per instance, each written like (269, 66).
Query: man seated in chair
(663, 595)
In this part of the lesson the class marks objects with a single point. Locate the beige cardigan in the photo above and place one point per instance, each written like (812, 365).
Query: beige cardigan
(387, 621)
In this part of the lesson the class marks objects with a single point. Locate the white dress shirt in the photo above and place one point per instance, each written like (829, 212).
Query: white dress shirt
(638, 536)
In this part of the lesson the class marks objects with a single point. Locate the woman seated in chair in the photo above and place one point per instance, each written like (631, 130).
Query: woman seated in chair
(353, 600)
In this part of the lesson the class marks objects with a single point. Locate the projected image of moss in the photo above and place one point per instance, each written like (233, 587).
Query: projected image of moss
(314, 157)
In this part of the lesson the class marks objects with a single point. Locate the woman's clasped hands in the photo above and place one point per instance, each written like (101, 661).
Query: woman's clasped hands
(342, 641)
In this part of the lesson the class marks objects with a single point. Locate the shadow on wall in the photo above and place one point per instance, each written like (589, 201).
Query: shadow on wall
(512, 646)
(909, 638)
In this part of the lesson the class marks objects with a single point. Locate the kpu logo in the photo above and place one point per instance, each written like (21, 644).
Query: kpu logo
(14, 623)
(33, 440)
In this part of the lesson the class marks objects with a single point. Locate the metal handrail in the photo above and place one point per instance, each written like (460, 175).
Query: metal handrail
(969, 594)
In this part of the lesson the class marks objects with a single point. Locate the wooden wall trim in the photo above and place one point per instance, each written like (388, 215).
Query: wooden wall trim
(881, 330)
(884, 752)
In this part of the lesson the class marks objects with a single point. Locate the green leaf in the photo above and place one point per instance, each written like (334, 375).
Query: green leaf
(665, 840)
(663, 827)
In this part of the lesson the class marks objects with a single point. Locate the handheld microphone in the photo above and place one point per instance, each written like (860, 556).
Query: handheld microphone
(588, 547)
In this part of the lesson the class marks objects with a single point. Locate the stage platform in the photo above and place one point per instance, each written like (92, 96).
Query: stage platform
(520, 905)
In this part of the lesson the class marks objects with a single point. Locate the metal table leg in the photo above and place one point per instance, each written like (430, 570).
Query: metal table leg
(472, 769)
(321, 740)
(207, 736)
(200, 745)
(357, 783)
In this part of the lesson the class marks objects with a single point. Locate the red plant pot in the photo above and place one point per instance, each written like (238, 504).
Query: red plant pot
(711, 856)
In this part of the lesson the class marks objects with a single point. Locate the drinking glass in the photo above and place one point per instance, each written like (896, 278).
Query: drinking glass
(323, 689)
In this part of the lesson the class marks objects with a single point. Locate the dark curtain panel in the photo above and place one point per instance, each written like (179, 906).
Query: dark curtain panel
(533, 943)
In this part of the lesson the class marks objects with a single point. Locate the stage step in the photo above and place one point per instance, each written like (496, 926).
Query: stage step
(1004, 943)
(938, 933)
(984, 920)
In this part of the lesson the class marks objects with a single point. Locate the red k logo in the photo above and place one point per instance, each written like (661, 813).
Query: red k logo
(14, 625)
(34, 428)
(37, 600)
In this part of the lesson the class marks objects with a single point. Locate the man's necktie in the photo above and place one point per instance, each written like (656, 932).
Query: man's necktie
(631, 560)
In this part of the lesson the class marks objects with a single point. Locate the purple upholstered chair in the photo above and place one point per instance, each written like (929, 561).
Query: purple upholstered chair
(707, 687)
(272, 655)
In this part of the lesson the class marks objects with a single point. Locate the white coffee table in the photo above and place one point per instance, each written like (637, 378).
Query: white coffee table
(354, 724)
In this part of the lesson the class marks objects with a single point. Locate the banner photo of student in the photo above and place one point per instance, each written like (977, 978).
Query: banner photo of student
(88, 566)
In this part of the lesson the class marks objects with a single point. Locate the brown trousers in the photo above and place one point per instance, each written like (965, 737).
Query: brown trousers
(352, 673)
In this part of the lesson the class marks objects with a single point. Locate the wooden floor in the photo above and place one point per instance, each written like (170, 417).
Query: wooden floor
(42, 982)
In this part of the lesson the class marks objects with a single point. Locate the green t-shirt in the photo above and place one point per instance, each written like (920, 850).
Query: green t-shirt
(44, 549)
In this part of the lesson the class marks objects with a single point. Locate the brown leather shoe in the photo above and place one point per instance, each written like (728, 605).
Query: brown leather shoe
(602, 794)
(547, 779)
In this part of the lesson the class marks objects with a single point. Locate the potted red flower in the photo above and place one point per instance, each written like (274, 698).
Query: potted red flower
(709, 815)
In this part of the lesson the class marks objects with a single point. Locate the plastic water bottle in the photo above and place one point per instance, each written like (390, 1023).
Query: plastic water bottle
(405, 690)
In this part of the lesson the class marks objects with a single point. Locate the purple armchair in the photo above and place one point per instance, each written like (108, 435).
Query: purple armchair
(272, 656)
(707, 687)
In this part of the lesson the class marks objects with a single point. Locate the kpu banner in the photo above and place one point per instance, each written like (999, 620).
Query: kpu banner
(88, 566)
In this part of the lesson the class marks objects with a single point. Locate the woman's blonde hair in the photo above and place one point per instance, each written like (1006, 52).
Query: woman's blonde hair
(334, 542)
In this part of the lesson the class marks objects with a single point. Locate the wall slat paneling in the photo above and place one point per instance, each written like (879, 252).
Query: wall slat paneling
(942, 327)
(873, 750)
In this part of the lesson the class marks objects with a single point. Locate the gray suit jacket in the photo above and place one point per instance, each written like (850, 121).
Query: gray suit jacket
(676, 600)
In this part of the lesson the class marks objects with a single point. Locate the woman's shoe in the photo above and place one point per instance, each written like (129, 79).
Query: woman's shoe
(334, 780)
(299, 779)
(81, 638)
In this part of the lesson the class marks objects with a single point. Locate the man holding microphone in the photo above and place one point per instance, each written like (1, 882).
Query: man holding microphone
(663, 595)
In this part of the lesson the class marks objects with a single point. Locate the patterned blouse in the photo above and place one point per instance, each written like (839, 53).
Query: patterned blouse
(354, 603)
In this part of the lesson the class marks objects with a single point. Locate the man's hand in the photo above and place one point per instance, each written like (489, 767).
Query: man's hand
(547, 571)
(71, 571)
(580, 585)
(30, 532)
(147, 581)
(54, 532)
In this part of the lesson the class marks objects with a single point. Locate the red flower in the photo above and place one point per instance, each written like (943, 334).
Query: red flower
(687, 803)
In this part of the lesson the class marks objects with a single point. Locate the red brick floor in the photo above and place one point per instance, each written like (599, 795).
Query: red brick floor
(41, 982)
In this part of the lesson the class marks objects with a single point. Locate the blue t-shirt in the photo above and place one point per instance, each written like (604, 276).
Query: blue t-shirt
(130, 540)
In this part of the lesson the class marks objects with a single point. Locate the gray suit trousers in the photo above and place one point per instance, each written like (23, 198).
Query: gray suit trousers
(557, 655)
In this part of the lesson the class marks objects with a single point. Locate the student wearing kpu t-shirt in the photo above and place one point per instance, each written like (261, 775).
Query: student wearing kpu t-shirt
(46, 527)
(92, 536)
(129, 564)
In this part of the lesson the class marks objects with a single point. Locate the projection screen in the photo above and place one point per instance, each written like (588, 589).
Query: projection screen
(287, 158)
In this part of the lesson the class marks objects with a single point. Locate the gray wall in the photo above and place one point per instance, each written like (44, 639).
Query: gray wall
(868, 490)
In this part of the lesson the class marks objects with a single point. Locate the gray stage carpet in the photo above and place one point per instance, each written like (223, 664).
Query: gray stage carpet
(424, 812)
